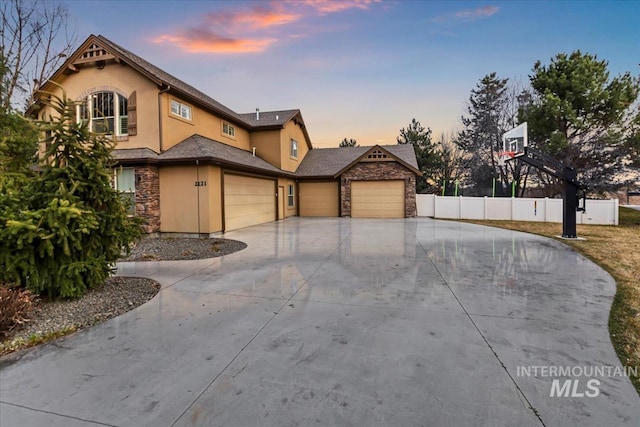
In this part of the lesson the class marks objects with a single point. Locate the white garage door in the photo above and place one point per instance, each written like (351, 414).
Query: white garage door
(377, 199)
(319, 198)
(248, 201)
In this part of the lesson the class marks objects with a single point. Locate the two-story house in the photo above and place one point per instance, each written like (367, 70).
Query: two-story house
(193, 165)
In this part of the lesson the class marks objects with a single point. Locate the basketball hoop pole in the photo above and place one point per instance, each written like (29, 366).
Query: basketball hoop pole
(570, 184)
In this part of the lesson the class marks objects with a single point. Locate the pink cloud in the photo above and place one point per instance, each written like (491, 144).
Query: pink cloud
(204, 41)
(468, 15)
(253, 29)
(254, 18)
(332, 6)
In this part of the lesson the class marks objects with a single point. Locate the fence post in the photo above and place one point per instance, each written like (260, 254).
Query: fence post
(511, 199)
(485, 208)
(546, 208)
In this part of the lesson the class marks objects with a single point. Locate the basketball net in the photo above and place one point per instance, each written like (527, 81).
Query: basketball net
(503, 156)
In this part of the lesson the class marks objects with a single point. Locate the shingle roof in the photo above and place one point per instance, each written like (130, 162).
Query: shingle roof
(173, 82)
(404, 152)
(318, 163)
(328, 162)
(134, 154)
(175, 85)
(198, 147)
(269, 118)
(276, 120)
(247, 120)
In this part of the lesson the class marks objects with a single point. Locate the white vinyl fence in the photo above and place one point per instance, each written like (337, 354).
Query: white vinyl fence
(604, 212)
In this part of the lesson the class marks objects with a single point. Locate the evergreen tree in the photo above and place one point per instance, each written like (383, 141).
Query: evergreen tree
(416, 135)
(62, 233)
(348, 143)
(491, 111)
(580, 116)
(18, 144)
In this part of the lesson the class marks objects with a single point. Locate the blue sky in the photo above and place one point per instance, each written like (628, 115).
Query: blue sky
(357, 68)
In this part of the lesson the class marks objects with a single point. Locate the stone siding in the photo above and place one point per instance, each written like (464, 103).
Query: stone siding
(148, 197)
(379, 171)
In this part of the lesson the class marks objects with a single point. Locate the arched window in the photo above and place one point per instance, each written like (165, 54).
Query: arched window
(106, 112)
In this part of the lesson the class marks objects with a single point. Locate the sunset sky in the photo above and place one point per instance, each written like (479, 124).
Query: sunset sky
(356, 68)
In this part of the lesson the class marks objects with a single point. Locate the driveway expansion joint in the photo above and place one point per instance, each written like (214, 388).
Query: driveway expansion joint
(275, 313)
(521, 393)
(98, 423)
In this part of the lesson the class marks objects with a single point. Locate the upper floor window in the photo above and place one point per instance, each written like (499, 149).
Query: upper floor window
(294, 149)
(180, 109)
(228, 130)
(106, 112)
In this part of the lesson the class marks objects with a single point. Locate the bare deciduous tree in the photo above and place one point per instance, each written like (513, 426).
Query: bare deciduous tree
(35, 37)
(452, 165)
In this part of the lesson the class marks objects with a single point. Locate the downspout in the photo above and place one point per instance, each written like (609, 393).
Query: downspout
(165, 90)
(198, 192)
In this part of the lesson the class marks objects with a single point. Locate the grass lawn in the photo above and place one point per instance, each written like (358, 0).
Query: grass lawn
(617, 250)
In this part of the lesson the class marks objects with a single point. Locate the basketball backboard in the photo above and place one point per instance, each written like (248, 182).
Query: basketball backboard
(514, 141)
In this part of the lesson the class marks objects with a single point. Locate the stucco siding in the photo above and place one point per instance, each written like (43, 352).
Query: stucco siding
(175, 129)
(124, 80)
(292, 131)
(288, 210)
(268, 146)
(190, 199)
(214, 189)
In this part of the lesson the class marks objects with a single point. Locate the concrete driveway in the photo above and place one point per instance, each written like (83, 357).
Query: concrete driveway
(344, 322)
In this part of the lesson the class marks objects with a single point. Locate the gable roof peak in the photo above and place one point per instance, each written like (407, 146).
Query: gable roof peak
(93, 51)
(332, 162)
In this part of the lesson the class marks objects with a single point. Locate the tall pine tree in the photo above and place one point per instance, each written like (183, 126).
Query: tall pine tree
(580, 115)
(491, 111)
(416, 135)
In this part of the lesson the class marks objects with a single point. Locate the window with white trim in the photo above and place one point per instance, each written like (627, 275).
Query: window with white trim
(180, 109)
(105, 112)
(125, 183)
(294, 149)
(228, 130)
(290, 199)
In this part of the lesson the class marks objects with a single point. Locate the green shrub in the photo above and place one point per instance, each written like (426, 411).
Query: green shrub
(64, 228)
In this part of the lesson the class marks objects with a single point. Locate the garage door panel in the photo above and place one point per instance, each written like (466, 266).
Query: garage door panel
(319, 199)
(377, 199)
(248, 201)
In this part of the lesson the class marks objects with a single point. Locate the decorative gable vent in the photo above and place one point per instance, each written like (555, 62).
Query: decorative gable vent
(377, 155)
(93, 53)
